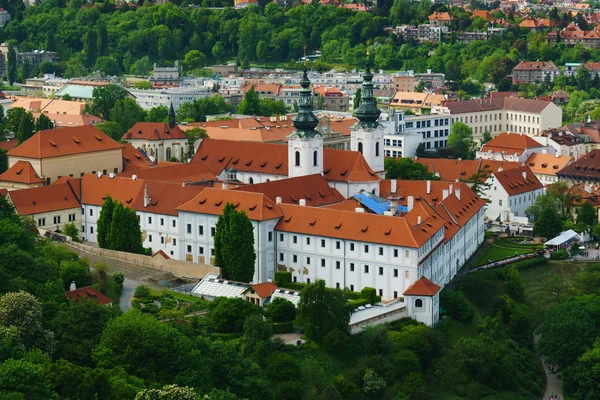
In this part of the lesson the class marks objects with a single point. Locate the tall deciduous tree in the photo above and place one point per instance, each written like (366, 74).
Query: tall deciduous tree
(104, 99)
(586, 216)
(26, 127)
(104, 221)
(406, 168)
(43, 122)
(90, 47)
(461, 140)
(321, 310)
(3, 161)
(357, 98)
(234, 245)
(11, 65)
(126, 112)
(251, 103)
(548, 224)
(158, 114)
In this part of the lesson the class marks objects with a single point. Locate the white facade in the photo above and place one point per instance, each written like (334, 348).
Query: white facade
(515, 157)
(405, 133)
(148, 99)
(4, 17)
(305, 155)
(162, 150)
(368, 142)
(506, 206)
(425, 309)
(566, 147)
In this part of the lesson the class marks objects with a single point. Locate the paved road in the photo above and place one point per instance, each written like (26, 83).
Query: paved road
(127, 293)
(553, 384)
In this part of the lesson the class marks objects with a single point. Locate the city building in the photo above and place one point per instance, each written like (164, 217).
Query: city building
(405, 133)
(35, 57)
(566, 141)
(161, 141)
(546, 166)
(20, 176)
(403, 81)
(512, 147)
(55, 153)
(440, 19)
(464, 170)
(63, 113)
(4, 17)
(51, 207)
(510, 192)
(148, 99)
(586, 170)
(332, 98)
(166, 76)
(418, 103)
(505, 114)
(535, 72)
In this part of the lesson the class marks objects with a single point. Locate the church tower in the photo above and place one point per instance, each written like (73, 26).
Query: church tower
(305, 144)
(367, 133)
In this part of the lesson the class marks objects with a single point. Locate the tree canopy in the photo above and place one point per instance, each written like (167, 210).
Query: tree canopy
(407, 169)
(461, 141)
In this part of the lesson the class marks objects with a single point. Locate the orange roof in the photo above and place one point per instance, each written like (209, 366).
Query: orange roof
(547, 164)
(154, 131)
(422, 287)
(264, 289)
(510, 143)
(75, 184)
(133, 159)
(265, 88)
(440, 16)
(8, 144)
(173, 173)
(482, 14)
(21, 172)
(164, 197)
(314, 189)
(536, 65)
(44, 199)
(347, 205)
(211, 201)
(339, 165)
(327, 91)
(372, 228)
(531, 22)
(64, 113)
(59, 142)
(518, 180)
(88, 293)
(354, 6)
(451, 170)
(162, 254)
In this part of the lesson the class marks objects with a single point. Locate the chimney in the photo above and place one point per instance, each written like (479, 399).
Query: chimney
(183, 184)
(457, 193)
(410, 203)
(99, 174)
(278, 200)
(225, 186)
(524, 174)
(302, 202)
(451, 188)
(111, 175)
(393, 205)
(73, 286)
(556, 155)
(499, 169)
(146, 197)
(393, 185)
(419, 220)
(428, 187)
(445, 194)
(388, 213)
(133, 177)
(359, 210)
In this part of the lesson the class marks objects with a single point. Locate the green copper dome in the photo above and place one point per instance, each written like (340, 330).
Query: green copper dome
(368, 113)
(305, 121)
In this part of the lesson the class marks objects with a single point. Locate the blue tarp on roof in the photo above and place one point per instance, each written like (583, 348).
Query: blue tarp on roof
(376, 204)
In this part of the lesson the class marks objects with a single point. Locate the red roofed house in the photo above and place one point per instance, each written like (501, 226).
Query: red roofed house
(51, 207)
(89, 293)
(534, 72)
(333, 98)
(440, 19)
(20, 176)
(161, 141)
(57, 152)
(510, 193)
(258, 293)
(515, 147)
(422, 301)
(482, 14)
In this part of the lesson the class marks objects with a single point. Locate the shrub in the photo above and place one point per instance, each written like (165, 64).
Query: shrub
(335, 341)
(357, 303)
(456, 305)
(282, 277)
(281, 310)
(118, 277)
(533, 262)
(150, 308)
(282, 327)
(369, 294)
(142, 292)
(559, 255)
(352, 295)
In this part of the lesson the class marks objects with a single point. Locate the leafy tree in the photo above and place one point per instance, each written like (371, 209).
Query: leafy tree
(23, 311)
(158, 114)
(125, 233)
(256, 331)
(486, 137)
(229, 315)
(461, 140)
(24, 378)
(234, 245)
(107, 65)
(43, 123)
(272, 107)
(281, 310)
(102, 34)
(104, 221)
(126, 112)
(91, 48)
(144, 85)
(169, 392)
(3, 161)
(321, 310)
(251, 103)
(111, 129)
(357, 98)
(548, 224)
(194, 59)
(373, 383)
(407, 169)
(586, 215)
(26, 128)
(118, 277)
(194, 135)
(583, 78)
(75, 271)
(74, 382)
(104, 99)
(456, 305)
(11, 65)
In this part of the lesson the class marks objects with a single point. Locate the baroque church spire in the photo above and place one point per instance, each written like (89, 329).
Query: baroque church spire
(305, 121)
(368, 113)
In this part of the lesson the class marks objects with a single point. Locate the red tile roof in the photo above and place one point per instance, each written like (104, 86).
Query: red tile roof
(339, 165)
(75, 184)
(211, 201)
(372, 228)
(422, 287)
(164, 197)
(314, 189)
(89, 293)
(61, 142)
(513, 181)
(162, 254)
(21, 172)
(510, 143)
(547, 164)
(44, 199)
(8, 144)
(587, 167)
(440, 16)
(451, 170)
(173, 173)
(264, 289)
(133, 159)
(482, 14)
(502, 103)
(154, 131)
(536, 65)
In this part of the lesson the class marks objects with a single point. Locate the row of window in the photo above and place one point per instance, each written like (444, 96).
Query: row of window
(200, 230)
(338, 245)
(57, 220)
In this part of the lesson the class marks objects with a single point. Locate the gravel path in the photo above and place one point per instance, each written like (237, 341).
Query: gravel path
(127, 293)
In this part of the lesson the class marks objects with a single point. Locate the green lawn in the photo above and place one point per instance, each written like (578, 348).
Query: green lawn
(502, 249)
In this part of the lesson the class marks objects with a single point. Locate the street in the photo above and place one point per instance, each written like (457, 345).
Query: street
(127, 294)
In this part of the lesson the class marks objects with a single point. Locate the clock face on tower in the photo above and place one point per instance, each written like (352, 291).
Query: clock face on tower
(325, 130)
